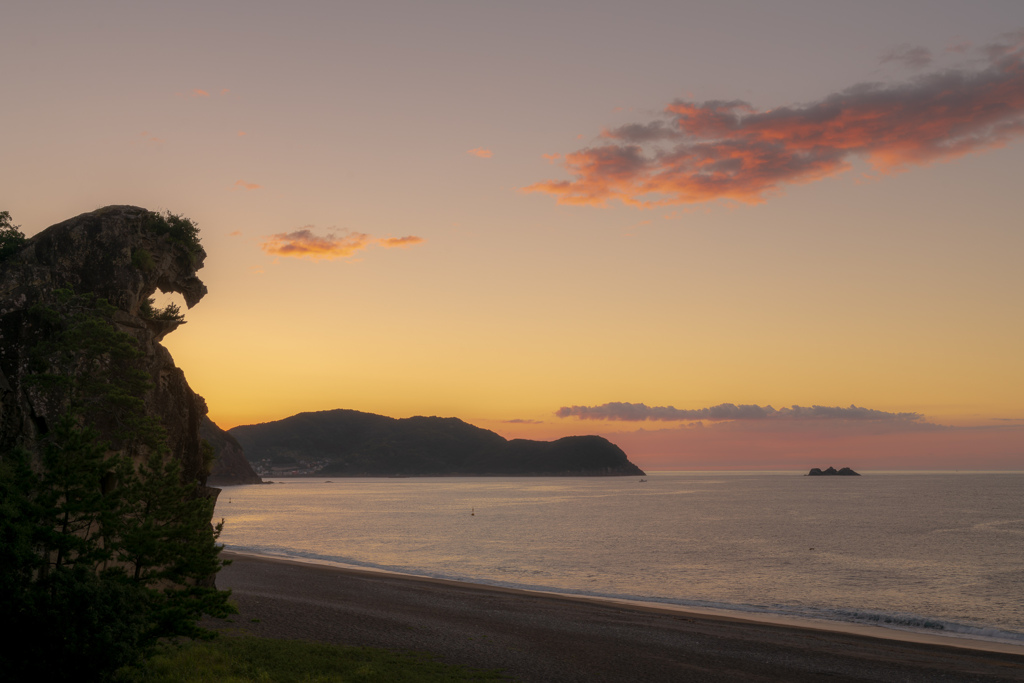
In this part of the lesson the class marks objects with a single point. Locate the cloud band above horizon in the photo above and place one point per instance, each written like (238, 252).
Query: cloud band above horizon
(729, 150)
(303, 243)
(639, 412)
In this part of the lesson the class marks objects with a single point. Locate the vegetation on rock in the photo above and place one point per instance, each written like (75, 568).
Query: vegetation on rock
(143, 260)
(105, 547)
(171, 312)
(181, 230)
(11, 237)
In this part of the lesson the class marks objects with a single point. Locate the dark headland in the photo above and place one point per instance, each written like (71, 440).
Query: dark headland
(349, 443)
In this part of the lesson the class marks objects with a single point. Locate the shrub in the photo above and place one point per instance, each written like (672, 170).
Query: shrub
(180, 229)
(171, 312)
(143, 260)
(12, 239)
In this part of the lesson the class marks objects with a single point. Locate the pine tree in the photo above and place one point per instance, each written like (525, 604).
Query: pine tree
(104, 550)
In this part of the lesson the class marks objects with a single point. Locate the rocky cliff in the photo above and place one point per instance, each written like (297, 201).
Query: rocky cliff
(122, 254)
(230, 466)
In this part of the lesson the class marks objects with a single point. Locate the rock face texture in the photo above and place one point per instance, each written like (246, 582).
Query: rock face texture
(230, 468)
(349, 443)
(123, 254)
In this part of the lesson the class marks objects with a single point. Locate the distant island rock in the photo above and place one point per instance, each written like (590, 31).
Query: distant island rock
(349, 443)
(833, 472)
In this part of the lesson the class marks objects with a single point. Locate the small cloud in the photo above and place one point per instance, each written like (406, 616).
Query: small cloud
(915, 57)
(225, 91)
(236, 233)
(247, 186)
(303, 243)
(406, 241)
(481, 152)
(959, 48)
(241, 133)
(199, 93)
(145, 137)
(638, 412)
(551, 158)
(523, 422)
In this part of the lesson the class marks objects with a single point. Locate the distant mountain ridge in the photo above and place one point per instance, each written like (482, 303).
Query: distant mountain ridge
(351, 443)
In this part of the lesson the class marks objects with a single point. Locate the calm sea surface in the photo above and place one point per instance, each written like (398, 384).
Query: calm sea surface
(928, 552)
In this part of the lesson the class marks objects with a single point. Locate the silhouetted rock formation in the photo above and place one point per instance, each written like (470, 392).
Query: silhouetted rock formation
(351, 443)
(123, 254)
(230, 467)
(832, 472)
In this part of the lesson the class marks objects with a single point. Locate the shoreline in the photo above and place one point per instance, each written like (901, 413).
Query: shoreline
(765, 618)
(537, 636)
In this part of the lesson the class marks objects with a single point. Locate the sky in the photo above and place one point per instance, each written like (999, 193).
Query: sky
(724, 235)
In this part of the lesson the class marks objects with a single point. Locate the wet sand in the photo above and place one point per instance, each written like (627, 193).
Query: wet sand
(543, 637)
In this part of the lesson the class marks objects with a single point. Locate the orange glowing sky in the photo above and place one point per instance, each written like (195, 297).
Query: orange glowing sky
(550, 219)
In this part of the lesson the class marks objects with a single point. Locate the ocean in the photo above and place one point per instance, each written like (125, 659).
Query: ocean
(930, 552)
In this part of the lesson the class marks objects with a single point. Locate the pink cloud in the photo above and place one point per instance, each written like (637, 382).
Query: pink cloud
(481, 152)
(303, 243)
(196, 92)
(729, 150)
(247, 186)
(406, 241)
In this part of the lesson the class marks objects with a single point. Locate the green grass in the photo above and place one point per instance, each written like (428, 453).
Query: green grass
(246, 659)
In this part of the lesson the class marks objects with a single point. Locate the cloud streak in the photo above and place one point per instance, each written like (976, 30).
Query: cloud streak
(702, 151)
(303, 243)
(407, 241)
(481, 152)
(639, 412)
(915, 57)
